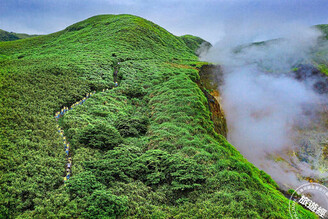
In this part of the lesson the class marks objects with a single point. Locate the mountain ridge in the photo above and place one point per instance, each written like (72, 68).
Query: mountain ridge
(11, 36)
(163, 158)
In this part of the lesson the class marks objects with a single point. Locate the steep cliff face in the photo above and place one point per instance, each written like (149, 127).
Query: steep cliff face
(210, 80)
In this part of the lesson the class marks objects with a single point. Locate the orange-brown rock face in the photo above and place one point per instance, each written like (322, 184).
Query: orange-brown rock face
(210, 79)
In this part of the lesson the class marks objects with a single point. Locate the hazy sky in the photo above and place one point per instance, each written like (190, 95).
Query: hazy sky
(208, 19)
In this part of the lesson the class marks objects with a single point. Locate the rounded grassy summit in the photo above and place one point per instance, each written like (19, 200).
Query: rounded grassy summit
(144, 149)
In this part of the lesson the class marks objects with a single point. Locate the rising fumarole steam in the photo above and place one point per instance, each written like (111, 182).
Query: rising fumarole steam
(269, 112)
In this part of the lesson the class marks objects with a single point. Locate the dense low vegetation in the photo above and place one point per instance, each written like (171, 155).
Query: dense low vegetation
(10, 36)
(324, 29)
(146, 149)
(196, 44)
(6, 36)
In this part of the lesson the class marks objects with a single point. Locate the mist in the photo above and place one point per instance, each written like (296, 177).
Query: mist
(269, 111)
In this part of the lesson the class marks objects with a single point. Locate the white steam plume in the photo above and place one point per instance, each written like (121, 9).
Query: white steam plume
(263, 104)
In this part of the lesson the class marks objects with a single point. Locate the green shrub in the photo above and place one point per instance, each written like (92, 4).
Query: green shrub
(100, 136)
(187, 175)
(132, 125)
(135, 91)
(83, 184)
(103, 204)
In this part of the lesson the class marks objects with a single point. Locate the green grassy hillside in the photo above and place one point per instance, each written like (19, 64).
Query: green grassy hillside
(24, 35)
(146, 149)
(324, 29)
(194, 43)
(6, 36)
(10, 36)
